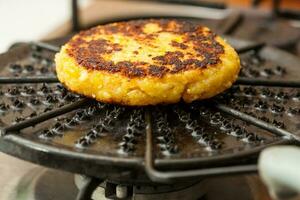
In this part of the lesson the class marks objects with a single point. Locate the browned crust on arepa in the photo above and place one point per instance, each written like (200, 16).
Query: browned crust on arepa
(206, 50)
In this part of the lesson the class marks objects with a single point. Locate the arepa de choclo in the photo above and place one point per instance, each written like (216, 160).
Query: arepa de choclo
(147, 62)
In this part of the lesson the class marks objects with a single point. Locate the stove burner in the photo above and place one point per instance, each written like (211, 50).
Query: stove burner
(45, 184)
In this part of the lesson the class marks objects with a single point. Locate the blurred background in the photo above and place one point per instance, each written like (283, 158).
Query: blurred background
(35, 19)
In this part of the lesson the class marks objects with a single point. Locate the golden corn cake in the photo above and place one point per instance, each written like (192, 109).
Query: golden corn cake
(147, 62)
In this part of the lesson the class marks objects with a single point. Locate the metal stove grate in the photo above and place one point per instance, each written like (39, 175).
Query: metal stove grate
(43, 122)
(239, 122)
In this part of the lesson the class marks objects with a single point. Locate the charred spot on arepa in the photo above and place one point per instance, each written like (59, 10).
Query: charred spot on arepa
(158, 71)
(121, 48)
(178, 44)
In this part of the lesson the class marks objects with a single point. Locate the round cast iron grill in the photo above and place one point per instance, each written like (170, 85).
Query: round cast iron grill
(43, 122)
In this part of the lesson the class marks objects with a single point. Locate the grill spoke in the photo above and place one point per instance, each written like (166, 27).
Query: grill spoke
(254, 47)
(19, 80)
(43, 117)
(257, 122)
(47, 46)
(231, 23)
(266, 82)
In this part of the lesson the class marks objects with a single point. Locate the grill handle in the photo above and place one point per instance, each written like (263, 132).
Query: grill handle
(279, 169)
(169, 176)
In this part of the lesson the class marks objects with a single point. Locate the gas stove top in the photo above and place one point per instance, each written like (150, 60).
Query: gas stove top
(131, 164)
(47, 184)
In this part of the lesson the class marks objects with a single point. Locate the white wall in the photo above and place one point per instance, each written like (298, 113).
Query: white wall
(27, 20)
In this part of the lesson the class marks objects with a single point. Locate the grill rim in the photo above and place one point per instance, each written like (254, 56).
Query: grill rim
(53, 152)
(40, 148)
